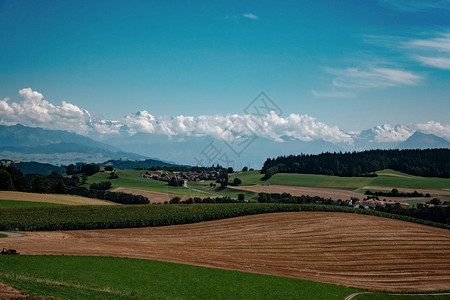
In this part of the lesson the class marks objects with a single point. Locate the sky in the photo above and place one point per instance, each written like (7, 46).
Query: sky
(187, 67)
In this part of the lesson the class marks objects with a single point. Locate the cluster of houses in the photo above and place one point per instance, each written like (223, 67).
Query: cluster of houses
(7, 163)
(372, 203)
(186, 176)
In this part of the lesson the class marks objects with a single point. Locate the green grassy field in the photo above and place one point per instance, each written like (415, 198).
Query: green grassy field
(232, 193)
(130, 179)
(16, 203)
(72, 277)
(81, 277)
(407, 181)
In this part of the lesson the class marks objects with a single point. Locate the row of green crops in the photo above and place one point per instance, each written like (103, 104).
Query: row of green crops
(102, 217)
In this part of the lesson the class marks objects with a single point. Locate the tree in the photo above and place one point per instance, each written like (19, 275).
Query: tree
(6, 183)
(435, 201)
(230, 170)
(237, 181)
(60, 187)
(241, 197)
(109, 168)
(39, 184)
(19, 181)
(175, 200)
(113, 175)
(244, 169)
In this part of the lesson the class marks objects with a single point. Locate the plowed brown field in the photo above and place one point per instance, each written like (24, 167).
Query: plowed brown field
(340, 248)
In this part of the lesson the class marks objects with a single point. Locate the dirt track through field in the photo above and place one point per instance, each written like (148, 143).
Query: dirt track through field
(340, 248)
(325, 192)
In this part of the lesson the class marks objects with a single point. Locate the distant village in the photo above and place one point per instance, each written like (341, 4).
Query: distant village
(164, 175)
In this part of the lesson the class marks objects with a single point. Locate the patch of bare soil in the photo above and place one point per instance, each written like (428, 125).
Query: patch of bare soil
(154, 197)
(347, 249)
(9, 293)
(325, 192)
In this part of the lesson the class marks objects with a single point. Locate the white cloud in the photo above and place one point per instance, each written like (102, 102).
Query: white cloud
(400, 133)
(437, 62)
(436, 128)
(373, 78)
(388, 133)
(432, 52)
(34, 111)
(250, 16)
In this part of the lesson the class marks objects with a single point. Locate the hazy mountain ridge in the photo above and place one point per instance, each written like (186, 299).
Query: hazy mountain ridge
(60, 147)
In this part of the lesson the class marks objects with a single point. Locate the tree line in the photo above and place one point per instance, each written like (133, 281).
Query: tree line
(429, 163)
(439, 214)
(12, 179)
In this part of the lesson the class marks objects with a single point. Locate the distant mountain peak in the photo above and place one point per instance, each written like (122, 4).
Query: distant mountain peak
(420, 140)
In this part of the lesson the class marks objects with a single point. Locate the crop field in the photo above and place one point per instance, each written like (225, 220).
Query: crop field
(121, 278)
(352, 250)
(16, 203)
(52, 198)
(133, 216)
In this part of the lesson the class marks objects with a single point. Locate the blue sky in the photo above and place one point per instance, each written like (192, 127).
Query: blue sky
(351, 64)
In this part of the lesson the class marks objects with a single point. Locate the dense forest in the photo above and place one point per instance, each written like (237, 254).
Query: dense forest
(429, 162)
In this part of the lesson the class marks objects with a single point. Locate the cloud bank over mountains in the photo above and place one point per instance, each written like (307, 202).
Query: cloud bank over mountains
(34, 111)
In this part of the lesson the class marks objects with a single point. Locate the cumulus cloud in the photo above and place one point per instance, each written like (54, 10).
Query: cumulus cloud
(436, 128)
(388, 133)
(34, 111)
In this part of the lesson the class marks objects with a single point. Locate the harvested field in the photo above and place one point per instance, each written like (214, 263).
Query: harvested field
(325, 192)
(339, 248)
(52, 198)
(154, 197)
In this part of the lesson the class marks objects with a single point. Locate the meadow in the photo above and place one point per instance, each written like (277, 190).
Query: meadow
(386, 178)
